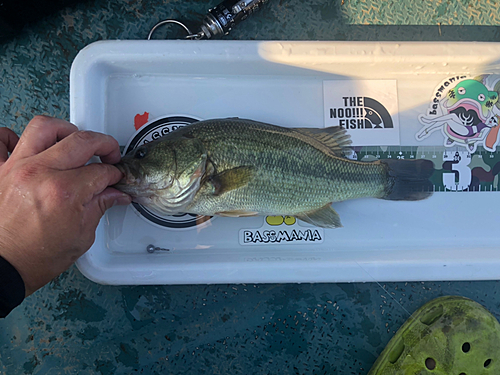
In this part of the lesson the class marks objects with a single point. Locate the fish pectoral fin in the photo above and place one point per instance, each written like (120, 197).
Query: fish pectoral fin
(333, 139)
(237, 213)
(231, 179)
(325, 217)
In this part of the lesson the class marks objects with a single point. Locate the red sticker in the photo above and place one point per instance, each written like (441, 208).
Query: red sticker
(140, 120)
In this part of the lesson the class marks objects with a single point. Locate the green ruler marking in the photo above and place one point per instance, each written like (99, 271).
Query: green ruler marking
(457, 170)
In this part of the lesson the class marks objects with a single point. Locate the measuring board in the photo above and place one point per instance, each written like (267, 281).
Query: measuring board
(438, 102)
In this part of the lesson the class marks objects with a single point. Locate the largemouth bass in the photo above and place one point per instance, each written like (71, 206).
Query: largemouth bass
(235, 167)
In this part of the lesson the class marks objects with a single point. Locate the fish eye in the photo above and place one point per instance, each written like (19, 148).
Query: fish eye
(140, 153)
(481, 97)
(461, 91)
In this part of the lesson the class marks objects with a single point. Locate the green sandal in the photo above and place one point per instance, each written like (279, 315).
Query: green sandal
(449, 335)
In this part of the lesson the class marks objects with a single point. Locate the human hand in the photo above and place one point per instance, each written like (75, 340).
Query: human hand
(50, 201)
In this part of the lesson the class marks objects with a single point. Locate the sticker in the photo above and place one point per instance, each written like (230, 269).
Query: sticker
(156, 129)
(466, 111)
(367, 109)
(278, 220)
(141, 120)
(148, 133)
(281, 230)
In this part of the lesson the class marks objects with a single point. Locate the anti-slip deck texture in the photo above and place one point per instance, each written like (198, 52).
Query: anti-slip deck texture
(74, 326)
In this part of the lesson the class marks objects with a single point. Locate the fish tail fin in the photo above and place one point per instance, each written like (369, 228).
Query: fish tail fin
(408, 179)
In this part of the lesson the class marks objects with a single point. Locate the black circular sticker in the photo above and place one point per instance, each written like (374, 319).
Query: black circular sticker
(148, 133)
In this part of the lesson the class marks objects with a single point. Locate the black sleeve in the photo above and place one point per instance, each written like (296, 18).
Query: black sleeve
(11, 288)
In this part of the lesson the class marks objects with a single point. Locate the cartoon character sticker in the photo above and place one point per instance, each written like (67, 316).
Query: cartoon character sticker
(467, 113)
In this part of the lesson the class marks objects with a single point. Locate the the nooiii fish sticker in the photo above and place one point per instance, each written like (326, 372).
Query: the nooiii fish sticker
(366, 109)
(466, 111)
(361, 113)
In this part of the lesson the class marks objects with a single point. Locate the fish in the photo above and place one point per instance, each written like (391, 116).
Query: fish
(236, 167)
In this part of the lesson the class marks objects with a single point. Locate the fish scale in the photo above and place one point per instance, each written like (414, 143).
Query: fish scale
(288, 171)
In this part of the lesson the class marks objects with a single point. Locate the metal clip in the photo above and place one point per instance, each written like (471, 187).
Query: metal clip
(152, 248)
(189, 35)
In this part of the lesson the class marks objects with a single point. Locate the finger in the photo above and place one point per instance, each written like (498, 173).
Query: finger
(41, 133)
(8, 140)
(76, 150)
(93, 179)
(103, 202)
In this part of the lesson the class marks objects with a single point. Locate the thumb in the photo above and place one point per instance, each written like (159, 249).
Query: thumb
(104, 201)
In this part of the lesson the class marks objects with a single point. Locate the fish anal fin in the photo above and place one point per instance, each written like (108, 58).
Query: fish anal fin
(237, 213)
(231, 179)
(332, 140)
(325, 217)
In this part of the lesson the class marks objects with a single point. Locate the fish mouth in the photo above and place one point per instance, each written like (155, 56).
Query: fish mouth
(468, 111)
(124, 170)
(166, 197)
(170, 199)
(129, 182)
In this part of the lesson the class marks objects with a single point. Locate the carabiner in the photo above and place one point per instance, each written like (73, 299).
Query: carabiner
(189, 35)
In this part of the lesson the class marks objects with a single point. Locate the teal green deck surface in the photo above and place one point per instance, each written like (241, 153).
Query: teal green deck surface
(74, 326)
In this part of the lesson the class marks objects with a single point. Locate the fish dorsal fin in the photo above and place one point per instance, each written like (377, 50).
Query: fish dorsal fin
(325, 217)
(333, 140)
(231, 179)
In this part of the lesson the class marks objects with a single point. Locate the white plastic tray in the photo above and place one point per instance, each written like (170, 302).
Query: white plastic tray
(451, 236)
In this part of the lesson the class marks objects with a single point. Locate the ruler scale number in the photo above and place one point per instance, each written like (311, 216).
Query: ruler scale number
(456, 169)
